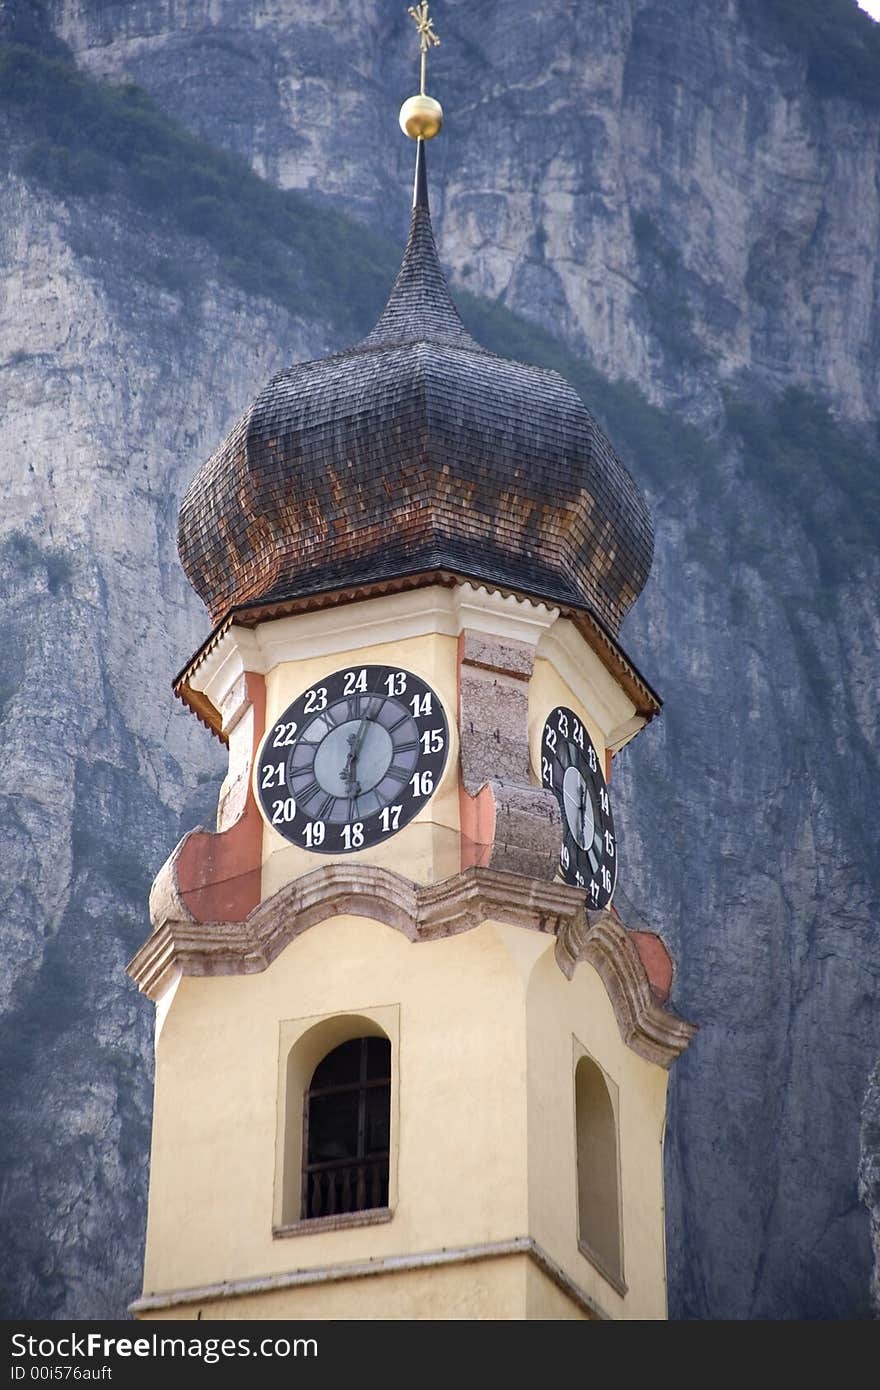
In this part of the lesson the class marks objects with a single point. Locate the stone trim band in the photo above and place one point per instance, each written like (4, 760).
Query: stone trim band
(388, 1264)
(181, 945)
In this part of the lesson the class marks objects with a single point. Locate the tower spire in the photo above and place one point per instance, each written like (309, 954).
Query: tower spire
(420, 182)
(420, 307)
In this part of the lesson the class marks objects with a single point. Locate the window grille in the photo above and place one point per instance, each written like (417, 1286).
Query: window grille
(346, 1130)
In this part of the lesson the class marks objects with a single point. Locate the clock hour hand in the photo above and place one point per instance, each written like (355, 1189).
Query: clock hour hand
(355, 744)
(348, 774)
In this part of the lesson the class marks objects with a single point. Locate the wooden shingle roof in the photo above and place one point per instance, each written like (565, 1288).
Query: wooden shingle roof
(417, 450)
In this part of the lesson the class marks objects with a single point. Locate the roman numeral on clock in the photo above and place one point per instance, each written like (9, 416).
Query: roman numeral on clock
(306, 793)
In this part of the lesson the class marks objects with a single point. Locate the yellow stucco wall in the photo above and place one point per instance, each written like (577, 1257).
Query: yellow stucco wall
(484, 1129)
(547, 1302)
(485, 1032)
(558, 1020)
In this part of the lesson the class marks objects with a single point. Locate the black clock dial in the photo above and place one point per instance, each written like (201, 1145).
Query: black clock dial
(353, 759)
(570, 767)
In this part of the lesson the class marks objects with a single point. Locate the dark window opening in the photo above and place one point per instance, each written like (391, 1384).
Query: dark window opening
(347, 1130)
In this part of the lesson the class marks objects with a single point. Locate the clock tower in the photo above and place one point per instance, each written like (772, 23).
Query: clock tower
(410, 1060)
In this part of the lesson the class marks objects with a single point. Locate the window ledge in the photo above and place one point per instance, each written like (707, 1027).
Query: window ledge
(613, 1279)
(344, 1221)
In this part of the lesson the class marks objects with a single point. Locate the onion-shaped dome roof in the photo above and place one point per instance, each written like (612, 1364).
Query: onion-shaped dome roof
(416, 451)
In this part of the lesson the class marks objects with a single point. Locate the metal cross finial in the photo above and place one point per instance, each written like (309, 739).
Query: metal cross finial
(427, 37)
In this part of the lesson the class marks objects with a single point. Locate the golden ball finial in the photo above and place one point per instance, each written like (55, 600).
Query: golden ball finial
(421, 117)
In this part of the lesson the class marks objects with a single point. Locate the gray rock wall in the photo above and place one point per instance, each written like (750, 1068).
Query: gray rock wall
(659, 184)
(869, 1174)
(654, 179)
(112, 389)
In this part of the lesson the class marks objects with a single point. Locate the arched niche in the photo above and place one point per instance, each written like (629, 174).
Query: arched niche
(598, 1169)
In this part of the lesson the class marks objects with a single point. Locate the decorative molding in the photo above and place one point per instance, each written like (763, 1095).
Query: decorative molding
(421, 913)
(365, 623)
(366, 1269)
(601, 939)
(577, 663)
(370, 622)
(235, 651)
(337, 620)
(166, 901)
(501, 615)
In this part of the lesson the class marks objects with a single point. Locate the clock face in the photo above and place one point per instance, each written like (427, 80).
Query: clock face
(570, 768)
(353, 759)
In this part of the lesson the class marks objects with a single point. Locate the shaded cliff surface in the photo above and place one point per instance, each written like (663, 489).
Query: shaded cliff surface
(660, 195)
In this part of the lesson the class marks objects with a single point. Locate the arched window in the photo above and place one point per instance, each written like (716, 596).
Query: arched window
(597, 1174)
(346, 1130)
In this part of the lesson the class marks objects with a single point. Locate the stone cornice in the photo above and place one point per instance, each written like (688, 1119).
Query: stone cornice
(472, 604)
(601, 939)
(422, 913)
(368, 1269)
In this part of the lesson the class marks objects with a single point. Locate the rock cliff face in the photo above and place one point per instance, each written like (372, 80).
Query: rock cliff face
(113, 390)
(658, 181)
(670, 190)
(869, 1172)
